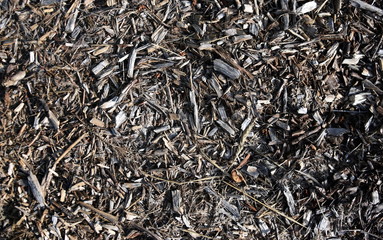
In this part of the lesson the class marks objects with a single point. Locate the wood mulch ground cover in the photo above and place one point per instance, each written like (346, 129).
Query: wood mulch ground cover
(202, 119)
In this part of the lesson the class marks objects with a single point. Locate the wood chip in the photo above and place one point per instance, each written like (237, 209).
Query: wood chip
(226, 69)
(97, 122)
(36, 189)
(14, 79)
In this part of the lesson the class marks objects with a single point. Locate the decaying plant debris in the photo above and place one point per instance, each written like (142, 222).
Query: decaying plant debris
(197, 119)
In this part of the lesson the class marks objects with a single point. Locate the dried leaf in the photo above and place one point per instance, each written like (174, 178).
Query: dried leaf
(236, 176)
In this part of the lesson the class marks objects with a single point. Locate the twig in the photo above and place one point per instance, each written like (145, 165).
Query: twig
(103, 214)
(244, 161)
(195, 233)
(48, 178)
(153, 235)
(265, 205)
(307, 134)
(215, 164)
(69, 149)
(366, 6)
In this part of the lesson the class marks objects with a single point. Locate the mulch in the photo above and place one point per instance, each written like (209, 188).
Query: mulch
(224, 119)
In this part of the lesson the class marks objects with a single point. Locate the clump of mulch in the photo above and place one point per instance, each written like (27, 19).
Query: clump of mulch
(191, 119)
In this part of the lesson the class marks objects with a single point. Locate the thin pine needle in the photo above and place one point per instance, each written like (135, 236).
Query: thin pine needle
(265, 205)
(215, 164)
(182, 183)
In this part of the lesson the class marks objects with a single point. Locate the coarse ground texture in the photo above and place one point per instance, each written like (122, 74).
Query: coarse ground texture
(203, 119)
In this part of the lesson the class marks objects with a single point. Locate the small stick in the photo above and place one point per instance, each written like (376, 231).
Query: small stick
(136, 226)
(244, 161)
(215, 164)
(365, 6)
(48, 178)
(103, 214)
(307, 134)
(69, 149)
